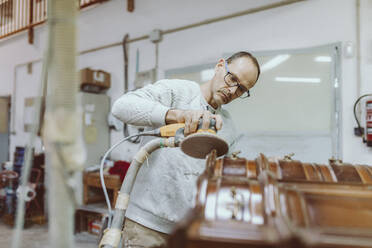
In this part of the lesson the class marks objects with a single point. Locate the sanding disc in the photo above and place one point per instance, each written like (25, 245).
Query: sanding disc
(199, 145)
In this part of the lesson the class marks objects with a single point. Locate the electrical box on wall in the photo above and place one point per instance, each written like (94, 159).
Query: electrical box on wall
(94, 81)
(96, 132)
(29, 113)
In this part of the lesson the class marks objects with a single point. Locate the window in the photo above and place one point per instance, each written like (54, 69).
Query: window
(294, 108)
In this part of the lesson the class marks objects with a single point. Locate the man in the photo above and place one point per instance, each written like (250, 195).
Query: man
(165, 186)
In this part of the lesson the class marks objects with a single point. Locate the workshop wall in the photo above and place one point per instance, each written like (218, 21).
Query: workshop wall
(305, 24)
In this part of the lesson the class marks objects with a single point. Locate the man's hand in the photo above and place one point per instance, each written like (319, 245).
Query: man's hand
(191, 119)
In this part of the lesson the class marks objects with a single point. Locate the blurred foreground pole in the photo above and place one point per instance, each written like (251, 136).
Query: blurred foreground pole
(62, 131)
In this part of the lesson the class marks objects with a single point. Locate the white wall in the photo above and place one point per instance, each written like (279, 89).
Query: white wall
(305, 24)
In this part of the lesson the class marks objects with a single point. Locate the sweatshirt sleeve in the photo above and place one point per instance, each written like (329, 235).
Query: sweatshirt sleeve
(146, 106)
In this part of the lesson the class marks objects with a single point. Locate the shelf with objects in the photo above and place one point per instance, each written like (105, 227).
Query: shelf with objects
(34, 191)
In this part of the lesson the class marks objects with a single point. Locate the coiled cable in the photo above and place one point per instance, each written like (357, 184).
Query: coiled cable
(147, 133)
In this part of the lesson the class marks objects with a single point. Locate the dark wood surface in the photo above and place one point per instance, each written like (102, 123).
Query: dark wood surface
(283, 203)
(92, 181)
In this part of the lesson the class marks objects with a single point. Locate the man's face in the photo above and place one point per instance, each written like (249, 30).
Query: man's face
(242, 74)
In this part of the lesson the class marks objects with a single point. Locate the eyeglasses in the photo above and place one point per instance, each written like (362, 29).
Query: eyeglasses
(231, 81)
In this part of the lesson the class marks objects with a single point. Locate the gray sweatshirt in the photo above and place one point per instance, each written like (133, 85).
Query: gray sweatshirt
(165, 186)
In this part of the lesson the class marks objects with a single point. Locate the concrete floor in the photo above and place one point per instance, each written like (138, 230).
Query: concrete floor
(37, 237)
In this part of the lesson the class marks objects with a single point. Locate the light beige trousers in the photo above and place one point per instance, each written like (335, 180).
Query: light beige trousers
(138, 236)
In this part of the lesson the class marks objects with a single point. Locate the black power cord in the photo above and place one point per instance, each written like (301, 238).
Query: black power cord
(356, 118)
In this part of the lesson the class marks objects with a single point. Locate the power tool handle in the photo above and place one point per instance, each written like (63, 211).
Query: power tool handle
(212, 124)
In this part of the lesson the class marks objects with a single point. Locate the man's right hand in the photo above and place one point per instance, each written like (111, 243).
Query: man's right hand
(191, 119)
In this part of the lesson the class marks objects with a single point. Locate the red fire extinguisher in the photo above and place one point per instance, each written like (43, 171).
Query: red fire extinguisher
(369, 123)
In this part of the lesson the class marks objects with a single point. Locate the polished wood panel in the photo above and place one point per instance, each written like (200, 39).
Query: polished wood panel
(283, 203)
(294, 170)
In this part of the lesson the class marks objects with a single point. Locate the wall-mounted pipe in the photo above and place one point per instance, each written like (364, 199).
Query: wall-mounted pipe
(358, 55)
(14, 94)
(168, 31)
(198, 24)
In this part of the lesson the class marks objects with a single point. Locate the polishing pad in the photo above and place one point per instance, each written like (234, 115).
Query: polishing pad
(199, 145)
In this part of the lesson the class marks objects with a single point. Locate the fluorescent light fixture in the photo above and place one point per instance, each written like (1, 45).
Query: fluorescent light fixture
(277, 60)
(297, 80)
(323, 59)
(207, 74)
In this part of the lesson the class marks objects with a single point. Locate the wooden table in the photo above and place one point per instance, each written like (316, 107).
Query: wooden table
(92, 180)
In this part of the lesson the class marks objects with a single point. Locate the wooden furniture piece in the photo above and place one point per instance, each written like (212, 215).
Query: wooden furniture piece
(35, 199)
(286, 203)
(85, 216)
(93, 189)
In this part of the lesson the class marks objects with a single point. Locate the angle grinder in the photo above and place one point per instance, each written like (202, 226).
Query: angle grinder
(198, 144)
